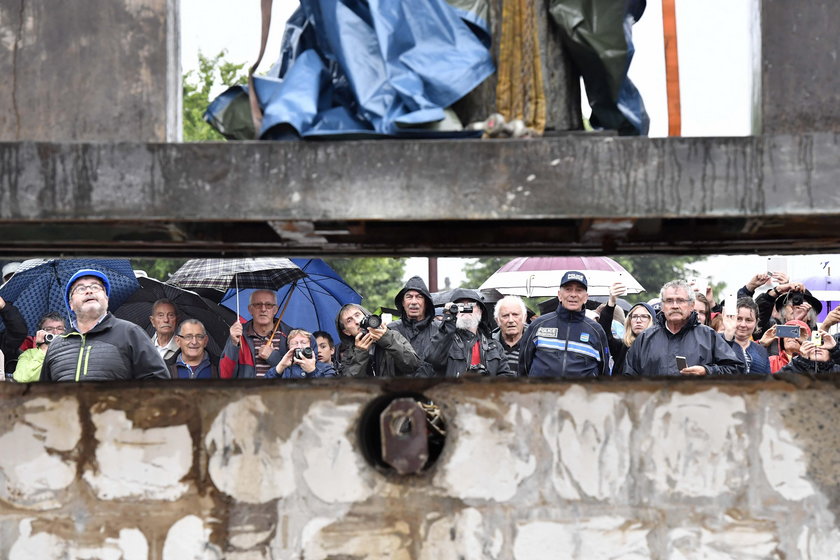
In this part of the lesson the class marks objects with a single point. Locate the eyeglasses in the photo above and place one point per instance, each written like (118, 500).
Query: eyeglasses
(265, 305)
(640, 317)
(191, 337)
(54, 329)
(92, 288)
(672, 301)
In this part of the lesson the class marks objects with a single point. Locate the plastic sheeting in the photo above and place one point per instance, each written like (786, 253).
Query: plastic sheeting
(598, 37)
(367, 68)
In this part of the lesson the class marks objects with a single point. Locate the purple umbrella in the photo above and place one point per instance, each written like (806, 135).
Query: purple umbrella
(827, 290)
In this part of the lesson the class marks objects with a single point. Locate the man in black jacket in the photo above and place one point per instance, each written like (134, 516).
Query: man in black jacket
(462, 344)
(372, 351)
(678, 333)
(417, 313)
(99, 347)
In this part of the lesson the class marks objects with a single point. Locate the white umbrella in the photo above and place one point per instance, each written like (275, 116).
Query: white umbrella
(540, 276)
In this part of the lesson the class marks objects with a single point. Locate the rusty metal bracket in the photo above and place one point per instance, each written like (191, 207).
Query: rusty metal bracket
(405, 437)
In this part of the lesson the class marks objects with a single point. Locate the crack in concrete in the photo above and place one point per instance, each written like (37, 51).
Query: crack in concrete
(14, 69)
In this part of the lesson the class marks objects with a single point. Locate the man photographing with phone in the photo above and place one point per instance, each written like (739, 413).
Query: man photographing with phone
(678, 333)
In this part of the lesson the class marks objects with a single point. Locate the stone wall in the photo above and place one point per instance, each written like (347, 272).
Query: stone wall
(618, 469)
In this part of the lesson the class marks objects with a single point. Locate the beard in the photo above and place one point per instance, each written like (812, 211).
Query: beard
(467, 322)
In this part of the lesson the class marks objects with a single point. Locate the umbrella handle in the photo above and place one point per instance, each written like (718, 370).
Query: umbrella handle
(280, 318)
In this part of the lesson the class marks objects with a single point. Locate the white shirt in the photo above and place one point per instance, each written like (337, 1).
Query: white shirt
(167, 351)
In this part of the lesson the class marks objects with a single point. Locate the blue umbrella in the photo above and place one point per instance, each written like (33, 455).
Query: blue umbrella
(38, 287)
(310, 303)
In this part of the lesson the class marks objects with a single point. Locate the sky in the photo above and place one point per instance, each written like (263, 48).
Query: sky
(716, 87)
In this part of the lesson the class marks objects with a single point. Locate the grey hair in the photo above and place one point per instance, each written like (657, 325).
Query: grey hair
(516, 300)
(255, 292)
(677, 285)
(190, 321)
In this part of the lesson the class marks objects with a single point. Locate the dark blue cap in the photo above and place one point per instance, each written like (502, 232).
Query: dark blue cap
(574, 276)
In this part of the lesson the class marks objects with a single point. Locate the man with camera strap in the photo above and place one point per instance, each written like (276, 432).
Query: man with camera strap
(371, 348)
(462, 344)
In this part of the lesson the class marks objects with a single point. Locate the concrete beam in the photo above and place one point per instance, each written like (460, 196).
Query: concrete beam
(575, 193)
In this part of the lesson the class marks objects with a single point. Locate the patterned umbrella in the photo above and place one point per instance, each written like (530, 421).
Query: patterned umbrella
(189, 305)
(37, 288)
(222, 274)
(311, 303)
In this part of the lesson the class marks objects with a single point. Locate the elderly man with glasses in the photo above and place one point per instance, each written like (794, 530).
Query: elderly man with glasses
(254, 348)
(99, 347)
(677, 344)
(193, 361)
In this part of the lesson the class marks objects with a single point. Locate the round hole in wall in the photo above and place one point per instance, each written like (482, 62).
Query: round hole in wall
(402, 433)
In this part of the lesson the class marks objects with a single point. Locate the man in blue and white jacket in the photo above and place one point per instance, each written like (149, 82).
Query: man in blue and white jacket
(566, 343)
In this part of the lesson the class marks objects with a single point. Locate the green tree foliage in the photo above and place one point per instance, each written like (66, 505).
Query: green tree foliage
(480, 270)
(652, 271)
(197, 87)
(377, 279)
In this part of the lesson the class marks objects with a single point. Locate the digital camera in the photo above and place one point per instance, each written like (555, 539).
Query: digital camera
(49, 337)
(370, 322)
(303, 353)
(455, 308)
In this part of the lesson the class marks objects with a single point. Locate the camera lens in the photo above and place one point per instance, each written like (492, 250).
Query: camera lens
(371, 322)
(303, 353)
(49, 337)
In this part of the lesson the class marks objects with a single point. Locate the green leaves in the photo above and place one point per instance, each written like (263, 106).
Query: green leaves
(197, 88)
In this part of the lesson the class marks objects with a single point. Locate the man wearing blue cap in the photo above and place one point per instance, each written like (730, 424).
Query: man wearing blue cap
(99, 347)
(566, 343)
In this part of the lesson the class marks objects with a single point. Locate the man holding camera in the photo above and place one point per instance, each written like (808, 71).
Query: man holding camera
(373, 349)
(300, 361)
(35, 347)
(566, 343)
(462, 344)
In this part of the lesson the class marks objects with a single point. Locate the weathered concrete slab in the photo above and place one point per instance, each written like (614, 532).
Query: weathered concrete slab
(96, 70)
(575, 193)
(606, 469)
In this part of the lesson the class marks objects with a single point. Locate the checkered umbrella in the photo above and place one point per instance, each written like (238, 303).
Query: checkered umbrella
(38, 287)
(265, 273)
(222, 274)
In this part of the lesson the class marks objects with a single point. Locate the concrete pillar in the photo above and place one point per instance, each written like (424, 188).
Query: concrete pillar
(800, 85)
(101, 70)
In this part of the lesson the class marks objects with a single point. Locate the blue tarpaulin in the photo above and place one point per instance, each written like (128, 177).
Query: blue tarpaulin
(368, 68)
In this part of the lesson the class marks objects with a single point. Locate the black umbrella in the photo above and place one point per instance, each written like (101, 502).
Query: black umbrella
(189, 305)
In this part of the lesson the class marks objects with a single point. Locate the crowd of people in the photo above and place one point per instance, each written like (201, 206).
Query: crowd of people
(682, 332)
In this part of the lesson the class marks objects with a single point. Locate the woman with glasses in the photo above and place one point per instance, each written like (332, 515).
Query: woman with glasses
(638, 319)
